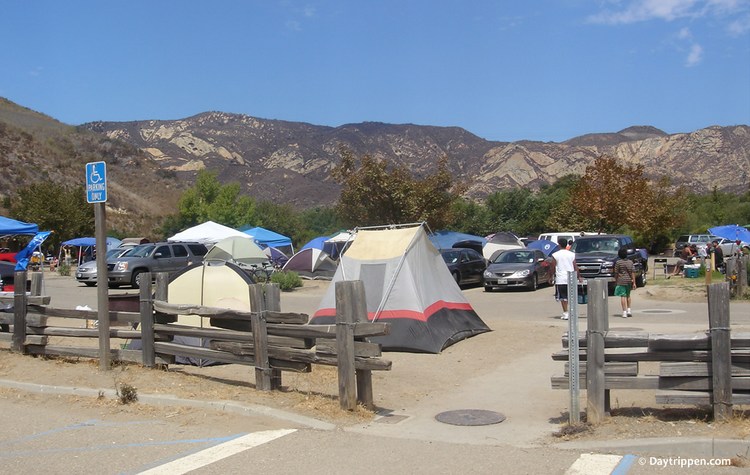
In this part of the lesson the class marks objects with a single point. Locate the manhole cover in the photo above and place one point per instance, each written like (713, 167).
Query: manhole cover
(470, 417)
(658, 311)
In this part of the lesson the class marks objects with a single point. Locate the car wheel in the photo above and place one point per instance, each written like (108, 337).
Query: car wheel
(640, 280)
(534, 283)
(487, 288)
(136, 279)
(90, 284)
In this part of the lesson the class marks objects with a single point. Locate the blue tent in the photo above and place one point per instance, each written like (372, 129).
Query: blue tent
(265, 238)
(11, 226)
(445, 239)
(316, 243)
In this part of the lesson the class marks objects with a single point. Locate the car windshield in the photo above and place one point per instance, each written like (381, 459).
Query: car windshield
(605, 245)
(515, 257)
(451, 257)
(141, 251)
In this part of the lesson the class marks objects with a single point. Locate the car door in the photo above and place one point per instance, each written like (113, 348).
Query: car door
(474, 264)
(162, 259)
(180, 256)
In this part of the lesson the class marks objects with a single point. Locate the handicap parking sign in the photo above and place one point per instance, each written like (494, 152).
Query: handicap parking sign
(96, 182)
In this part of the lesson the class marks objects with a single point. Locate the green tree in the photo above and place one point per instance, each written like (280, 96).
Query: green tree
(209, 200)
(470, 217)
(373, 193)
(62, 210)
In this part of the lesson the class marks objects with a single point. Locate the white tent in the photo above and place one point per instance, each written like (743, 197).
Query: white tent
(207, 233)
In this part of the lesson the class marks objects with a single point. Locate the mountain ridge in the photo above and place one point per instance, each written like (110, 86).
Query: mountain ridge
(290, 162)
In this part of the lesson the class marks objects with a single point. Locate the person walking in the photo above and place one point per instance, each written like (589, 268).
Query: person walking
(624, 281)
(564, 262)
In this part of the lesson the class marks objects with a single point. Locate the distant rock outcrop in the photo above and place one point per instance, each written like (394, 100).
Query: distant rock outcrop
(291, 162)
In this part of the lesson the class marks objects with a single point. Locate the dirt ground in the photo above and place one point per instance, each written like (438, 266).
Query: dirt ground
(315, 394)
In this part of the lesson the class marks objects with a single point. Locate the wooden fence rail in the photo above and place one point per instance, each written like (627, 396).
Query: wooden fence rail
(269, 340)
(707, 368)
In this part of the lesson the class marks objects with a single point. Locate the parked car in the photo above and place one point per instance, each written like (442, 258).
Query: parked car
(700, 241)
(7, 274)
(466, 265)
(596, 256)
(86, 272)
(518, 268)
(153, 257)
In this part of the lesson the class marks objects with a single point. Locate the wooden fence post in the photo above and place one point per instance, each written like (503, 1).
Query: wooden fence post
(346, 295)
(358, 312)
(597, 325)
(260, 338)
(742, 275)
(19, 312)
(148, 354)
(721, 351)
(273, 303)
(37, 282)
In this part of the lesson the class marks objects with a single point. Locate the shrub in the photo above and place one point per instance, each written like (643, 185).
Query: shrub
(287, 280)
(64, 269)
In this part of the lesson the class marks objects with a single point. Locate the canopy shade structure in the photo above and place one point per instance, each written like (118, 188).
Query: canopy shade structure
(10, 226)
(207, 233)
(90, 241)
(445, 239)
(731, 231)
(266, 238)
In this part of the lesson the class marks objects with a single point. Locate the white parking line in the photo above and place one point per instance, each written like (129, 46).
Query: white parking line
(218, 452)
(594, 464)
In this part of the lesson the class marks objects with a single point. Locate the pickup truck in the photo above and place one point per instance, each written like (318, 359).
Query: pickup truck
(596, 256)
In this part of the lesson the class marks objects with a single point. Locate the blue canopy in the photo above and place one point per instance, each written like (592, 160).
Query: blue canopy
(89, 241)
(445, 239)
(731, 231)
(266, 238)
(11, 226)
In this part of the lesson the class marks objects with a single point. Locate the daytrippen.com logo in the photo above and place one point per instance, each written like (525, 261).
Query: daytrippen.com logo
(683, 462)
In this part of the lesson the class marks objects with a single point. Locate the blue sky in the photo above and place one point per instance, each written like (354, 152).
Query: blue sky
(504, 70)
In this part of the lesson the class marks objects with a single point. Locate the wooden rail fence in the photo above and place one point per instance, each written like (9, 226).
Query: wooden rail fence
(269, 340)
(707, 368)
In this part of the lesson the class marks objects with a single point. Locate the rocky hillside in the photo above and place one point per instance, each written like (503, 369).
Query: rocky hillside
(36, 148)
(291, 162)
(150, 163)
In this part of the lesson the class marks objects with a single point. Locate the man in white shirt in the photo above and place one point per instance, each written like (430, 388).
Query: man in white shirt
(565, 261)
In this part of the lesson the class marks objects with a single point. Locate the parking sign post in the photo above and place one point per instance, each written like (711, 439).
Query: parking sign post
(96, 193)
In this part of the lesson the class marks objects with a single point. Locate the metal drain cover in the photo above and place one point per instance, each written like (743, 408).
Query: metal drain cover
(470, 417)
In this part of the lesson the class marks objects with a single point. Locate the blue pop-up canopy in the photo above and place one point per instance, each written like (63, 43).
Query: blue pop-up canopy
(90, 241)
(731, 231)
(11, 226)
(266, 238)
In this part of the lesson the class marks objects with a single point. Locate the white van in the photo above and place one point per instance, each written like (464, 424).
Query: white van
(568, 235)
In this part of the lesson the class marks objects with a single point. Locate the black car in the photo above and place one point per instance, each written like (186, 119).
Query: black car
(466, 265)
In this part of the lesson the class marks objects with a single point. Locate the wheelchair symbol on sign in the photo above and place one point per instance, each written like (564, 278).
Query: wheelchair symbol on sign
(95, 177)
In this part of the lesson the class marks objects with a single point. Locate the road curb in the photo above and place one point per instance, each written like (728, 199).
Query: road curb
(688, 447)
(172, 400)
